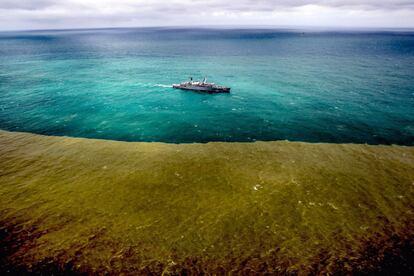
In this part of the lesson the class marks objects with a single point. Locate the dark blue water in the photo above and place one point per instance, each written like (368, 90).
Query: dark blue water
(352, 87)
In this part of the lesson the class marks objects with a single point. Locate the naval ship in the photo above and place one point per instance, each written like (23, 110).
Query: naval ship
(202, 86)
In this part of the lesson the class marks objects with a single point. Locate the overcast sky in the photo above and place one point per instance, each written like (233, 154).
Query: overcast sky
(46, 14)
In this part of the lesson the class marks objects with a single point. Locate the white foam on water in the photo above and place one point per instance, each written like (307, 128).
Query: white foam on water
(162, 85)
(153, 85)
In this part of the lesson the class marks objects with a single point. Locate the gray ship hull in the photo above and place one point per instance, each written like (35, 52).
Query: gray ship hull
(202, 88)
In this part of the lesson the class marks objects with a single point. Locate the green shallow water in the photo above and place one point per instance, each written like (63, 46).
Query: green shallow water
(94, 206)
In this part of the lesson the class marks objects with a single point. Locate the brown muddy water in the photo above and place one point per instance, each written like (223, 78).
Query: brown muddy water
(70, 205)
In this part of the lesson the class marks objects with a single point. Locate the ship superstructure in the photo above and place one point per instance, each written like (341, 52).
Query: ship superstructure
(202, 86)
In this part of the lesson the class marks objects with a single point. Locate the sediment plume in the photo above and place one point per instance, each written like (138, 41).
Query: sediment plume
(95, 206)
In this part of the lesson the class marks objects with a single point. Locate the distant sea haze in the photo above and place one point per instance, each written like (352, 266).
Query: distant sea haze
(318, 86)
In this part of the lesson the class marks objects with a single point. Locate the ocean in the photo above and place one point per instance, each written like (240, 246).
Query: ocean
(297, 85)
(92, 206)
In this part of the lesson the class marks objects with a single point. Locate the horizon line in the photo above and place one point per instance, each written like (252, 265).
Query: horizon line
(234, 27)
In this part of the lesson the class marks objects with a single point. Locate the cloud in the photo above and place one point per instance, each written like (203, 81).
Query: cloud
(25, 4)
(252, 5)
(29, 14)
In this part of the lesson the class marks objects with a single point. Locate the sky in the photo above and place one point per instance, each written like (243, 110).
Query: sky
(64, 14)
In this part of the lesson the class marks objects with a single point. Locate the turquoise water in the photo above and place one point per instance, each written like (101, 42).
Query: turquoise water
(352, 87)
